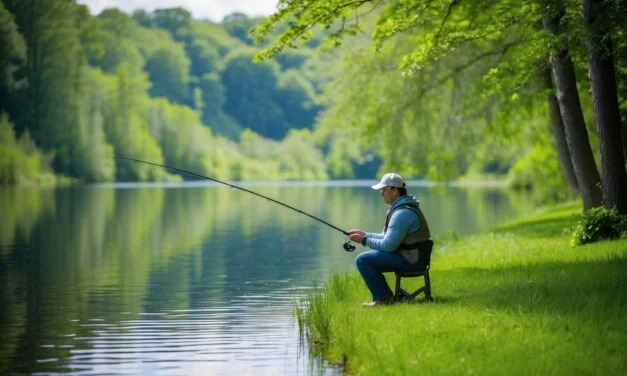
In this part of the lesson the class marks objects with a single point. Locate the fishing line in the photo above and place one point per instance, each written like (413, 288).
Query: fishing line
(347, 246)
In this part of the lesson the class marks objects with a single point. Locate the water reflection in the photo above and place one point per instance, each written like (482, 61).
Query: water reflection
(184, 279)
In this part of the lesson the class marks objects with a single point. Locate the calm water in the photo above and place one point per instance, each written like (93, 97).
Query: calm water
(186, 279)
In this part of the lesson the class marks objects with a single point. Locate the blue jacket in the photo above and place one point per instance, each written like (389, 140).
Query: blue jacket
(402, 223)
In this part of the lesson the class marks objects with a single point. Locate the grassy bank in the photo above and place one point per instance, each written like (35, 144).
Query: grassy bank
(517, 300)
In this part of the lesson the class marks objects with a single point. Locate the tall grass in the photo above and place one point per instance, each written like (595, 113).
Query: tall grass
(517, 300)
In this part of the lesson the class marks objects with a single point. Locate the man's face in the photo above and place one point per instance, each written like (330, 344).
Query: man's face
(389, 194)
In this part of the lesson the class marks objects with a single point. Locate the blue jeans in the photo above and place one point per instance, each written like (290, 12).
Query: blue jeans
(372, 265)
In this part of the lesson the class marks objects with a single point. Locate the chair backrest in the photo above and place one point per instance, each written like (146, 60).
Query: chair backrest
(424, 252)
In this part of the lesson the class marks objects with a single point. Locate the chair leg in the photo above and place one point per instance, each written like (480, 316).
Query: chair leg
(397, 288)
(427, 287)
(400, 294)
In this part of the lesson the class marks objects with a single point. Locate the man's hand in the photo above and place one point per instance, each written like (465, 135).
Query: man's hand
(360, 232)
(356, 235)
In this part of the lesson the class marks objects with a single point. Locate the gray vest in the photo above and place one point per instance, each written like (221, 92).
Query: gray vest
(415, 243)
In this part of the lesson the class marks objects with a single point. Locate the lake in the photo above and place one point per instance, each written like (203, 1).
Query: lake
(189, 278)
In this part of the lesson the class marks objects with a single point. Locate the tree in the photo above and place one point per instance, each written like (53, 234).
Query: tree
(127, 126)
(117, 27)
(12, 55)
(250, 89)
(183, 139)
(293, 158)
(588, 178)
(214, 96)
(142, 17)
(96, 164)
(440, 29)
(296, 96)
(205, 31)
(168, 69)
(204, 57)
(213, 114)
(49, 108)
(171, 19)
(238, 24)
(20, 159)
(300, 160)
(605, 96)
(557, 125)
(293, 59)
(406, 106)
(620, 40)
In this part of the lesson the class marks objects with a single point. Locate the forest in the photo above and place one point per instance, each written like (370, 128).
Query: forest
(530, 92)
(161, 86)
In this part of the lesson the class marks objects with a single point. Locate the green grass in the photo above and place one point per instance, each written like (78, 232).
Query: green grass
(517, 300)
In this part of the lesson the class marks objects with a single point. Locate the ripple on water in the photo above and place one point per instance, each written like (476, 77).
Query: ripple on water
(255, 334)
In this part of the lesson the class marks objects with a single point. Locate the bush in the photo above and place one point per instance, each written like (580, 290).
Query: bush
(539, 170)
(600, 224)
(20, 160)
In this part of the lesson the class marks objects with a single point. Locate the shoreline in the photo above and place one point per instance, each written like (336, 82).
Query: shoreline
(518, 298)
(61, 181)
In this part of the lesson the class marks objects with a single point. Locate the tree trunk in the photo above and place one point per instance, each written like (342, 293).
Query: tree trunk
(624, 137)
(586, 171)
(620, 54)
(605, 99)
(35, 68)
(557, 124)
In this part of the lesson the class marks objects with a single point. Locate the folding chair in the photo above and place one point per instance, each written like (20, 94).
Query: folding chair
(424, 258)
(400, 294)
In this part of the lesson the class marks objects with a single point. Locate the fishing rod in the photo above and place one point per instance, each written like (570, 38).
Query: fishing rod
(348, 246)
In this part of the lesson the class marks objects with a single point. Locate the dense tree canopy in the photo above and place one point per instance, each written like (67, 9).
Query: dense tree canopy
(12, 48)
(439, 89)
(168, 70)
(158, 86)
(459, 71)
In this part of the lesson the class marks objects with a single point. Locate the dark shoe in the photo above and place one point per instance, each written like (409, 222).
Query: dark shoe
(385, 301)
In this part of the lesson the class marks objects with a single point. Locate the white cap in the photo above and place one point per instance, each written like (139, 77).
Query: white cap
(390, 180)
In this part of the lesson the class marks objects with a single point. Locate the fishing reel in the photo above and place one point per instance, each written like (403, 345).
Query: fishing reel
(349, 247)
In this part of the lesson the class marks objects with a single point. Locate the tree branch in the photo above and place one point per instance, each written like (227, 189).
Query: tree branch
(374, 7)
(446, 16)
(455, 71)
(328, 14)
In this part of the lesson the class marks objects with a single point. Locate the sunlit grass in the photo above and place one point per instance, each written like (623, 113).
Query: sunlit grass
(517, 300)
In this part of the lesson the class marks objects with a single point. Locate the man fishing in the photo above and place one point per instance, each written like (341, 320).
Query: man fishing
(404, 245)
